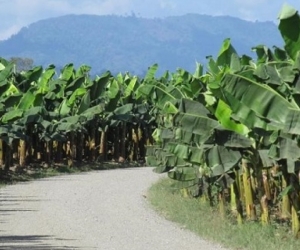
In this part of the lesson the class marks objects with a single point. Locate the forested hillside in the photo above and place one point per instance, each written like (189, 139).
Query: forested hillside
(132, 43)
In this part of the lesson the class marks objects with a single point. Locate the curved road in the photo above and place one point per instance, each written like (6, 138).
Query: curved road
(96, 210)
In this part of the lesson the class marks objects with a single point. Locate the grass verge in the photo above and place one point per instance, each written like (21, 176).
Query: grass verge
(205, 221)
(29, 174)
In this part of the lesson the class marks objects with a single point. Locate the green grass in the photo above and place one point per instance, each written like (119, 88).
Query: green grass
(205, 221)
(29, 174)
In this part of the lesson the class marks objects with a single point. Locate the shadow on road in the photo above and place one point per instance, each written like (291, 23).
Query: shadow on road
(10, 204)
(34, 242)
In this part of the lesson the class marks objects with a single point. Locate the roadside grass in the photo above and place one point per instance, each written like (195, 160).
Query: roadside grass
(32, 173)
(205, 221)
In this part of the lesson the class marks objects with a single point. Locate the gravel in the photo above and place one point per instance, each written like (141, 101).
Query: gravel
(96, 210)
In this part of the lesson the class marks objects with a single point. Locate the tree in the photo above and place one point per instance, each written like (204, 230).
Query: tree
(22, 64)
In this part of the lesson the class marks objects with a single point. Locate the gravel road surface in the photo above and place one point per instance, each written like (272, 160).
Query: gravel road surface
(96, 210)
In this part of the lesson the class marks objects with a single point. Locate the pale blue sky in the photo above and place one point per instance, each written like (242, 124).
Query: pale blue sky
(18, 13)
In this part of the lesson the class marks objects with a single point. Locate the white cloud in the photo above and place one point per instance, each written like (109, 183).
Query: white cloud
(14, 29)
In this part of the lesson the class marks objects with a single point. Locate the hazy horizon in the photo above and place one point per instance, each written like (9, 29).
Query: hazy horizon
(20, 13)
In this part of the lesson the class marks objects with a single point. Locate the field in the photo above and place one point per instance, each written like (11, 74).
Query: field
(228, 135)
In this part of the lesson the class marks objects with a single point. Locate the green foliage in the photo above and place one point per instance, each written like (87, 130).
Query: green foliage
(171, 42)
(240, 117)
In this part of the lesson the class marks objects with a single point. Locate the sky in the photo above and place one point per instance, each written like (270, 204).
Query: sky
(16, 14)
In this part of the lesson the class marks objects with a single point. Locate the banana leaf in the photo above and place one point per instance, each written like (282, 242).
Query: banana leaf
(221, 160)
(6, 72)
(289, 27)
(188, 173)
(194, 117)
(225, 54)
(67, 72)
(98, 86)
(268, 110)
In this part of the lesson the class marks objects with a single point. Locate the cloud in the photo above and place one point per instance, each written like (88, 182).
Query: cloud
(6, 33)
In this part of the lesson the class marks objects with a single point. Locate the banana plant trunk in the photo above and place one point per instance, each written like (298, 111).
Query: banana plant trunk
(286, 204)
(286, 211)
(92, 143)
(265, 216)
(116, 143)
(236, 204)
(8, 157)
(49, 152)
(295, 200)
(247, 183)
(222, 204)
(1, 153)
(79, 147)
(136, 140)
(71, 149)
(22, 153)
(103, 146)
(122, 157)
(143, 143)
(59, 152)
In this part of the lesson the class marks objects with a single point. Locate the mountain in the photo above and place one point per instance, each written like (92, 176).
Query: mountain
(131, 43)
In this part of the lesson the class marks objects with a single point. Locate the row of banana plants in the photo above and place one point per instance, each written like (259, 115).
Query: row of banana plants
(69, 118)
(231, 135)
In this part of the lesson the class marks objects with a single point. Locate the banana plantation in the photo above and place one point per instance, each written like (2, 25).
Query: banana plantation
(227, 134)
(230, 134)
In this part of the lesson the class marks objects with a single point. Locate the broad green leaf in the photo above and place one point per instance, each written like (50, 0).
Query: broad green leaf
(130, 87)
(285, 148)
(64, 108)
(235, 63)
(280, 54)
(27, 100)
(223, 114)
(156, 135)
(194, 117)
(264, 54)
(113, 89)
(225, 53)
(82, 71)
(180, 150)
(85, 103)
(127, 108)
(199, 70)
(213, 66)
(45, 78)
(12, 100)
(151, 72)
(98, 85)
(95, 110)
(221, 159)
(78, 92)
(67, 72)
(12, 89)
(33, 75)
(231, 139)
(170, 108)
(12, 115)
(34, 115)
(183, 173)
(289, 27)
(267, 106)
(265, 158)
(5, 73)
(74, 85)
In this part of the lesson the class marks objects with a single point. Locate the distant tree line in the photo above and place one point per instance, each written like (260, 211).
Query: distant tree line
(22, 64)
